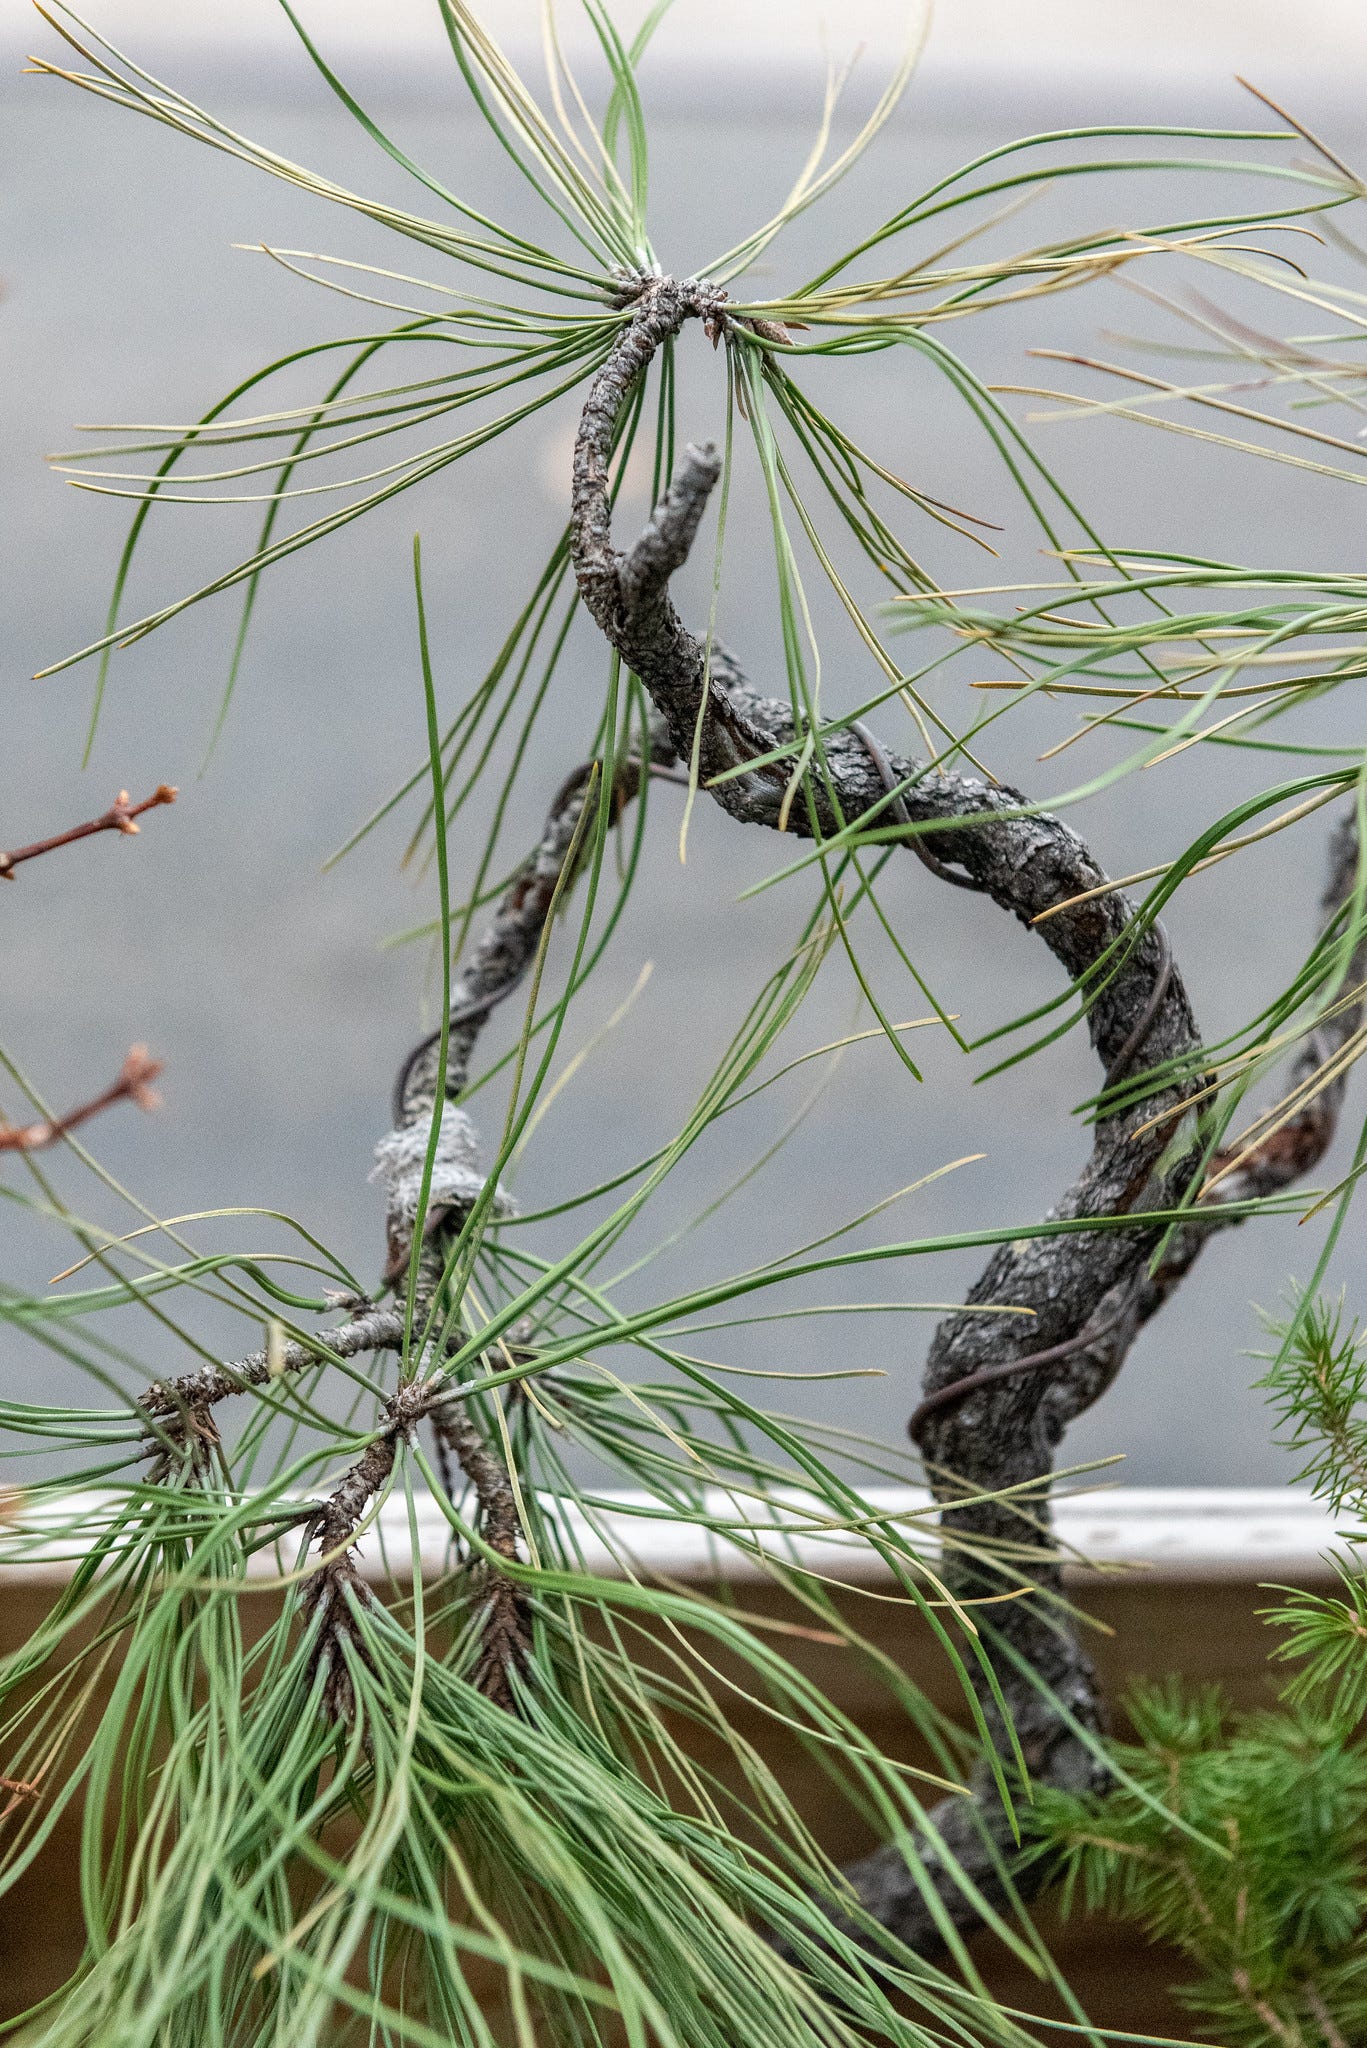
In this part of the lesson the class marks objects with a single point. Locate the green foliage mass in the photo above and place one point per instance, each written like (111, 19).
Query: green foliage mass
(1242, 1839)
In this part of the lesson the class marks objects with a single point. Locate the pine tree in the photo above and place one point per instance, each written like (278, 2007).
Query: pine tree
(466, 1804)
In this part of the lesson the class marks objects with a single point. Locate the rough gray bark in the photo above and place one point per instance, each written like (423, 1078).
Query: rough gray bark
(336, 1588)
(180, 1426)
(982, 1420)
(508, 945)
(178, 1412)
(505, 1621)
(1285, 1156)
(371, 1329)
(1090, 1292)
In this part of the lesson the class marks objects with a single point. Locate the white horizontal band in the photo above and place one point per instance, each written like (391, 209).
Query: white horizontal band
(1247, 1534)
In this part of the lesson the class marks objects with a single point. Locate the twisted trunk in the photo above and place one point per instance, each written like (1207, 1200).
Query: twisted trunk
(997, 1404)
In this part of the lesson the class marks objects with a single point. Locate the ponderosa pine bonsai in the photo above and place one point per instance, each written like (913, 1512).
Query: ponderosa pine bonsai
(464, 1805)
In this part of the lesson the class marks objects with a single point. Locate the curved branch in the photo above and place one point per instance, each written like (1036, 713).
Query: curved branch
(179, 1422)
(336, 1587)
(1081, 1371)
(495, 967)
(988, 1422)
(1289, 1152)
(508, 945)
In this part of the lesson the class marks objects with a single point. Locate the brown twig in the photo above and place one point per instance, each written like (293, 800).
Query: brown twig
(120, 817)
(134, 1083)
(20, 1791)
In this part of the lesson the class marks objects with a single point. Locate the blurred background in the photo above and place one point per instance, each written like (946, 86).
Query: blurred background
(268, 986)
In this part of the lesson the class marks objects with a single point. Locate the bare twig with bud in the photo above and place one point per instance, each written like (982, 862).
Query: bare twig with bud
(122, 816)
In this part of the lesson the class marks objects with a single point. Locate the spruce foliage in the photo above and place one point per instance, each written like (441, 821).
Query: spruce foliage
(1242, 1839)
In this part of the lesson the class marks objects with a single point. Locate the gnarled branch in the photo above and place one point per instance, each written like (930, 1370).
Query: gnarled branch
(495, 967)
(1089, 1291)
(371, 1329)
(505, 1625)
(336, 1587)
(1079, 1370)
(508, 945)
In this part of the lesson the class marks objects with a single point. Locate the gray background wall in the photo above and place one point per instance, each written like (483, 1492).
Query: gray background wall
(261, 981)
